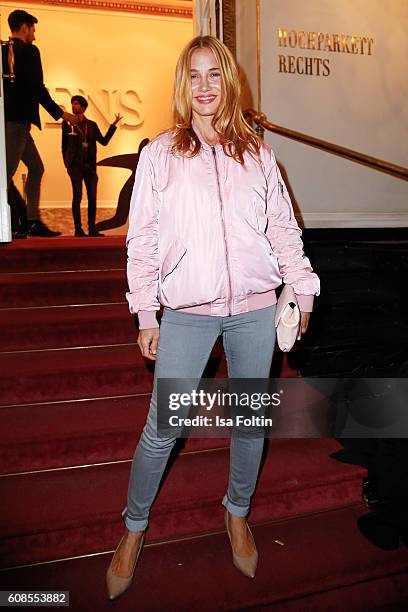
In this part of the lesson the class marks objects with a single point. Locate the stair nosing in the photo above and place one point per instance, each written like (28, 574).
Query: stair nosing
(102, 463)
(58, 271)
(12, 308)
(344, 477)
(67, 348)
(78, 399)
(186, 538)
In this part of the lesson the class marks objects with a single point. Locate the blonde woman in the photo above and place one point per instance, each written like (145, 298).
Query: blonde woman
(212, 234)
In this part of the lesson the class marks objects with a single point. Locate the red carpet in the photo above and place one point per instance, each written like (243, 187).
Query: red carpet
(70, 326)
(75, 392)
(324, 565)
(76, 433)
(28, 377)
(189, 503)
(41, 254)
(60, 289)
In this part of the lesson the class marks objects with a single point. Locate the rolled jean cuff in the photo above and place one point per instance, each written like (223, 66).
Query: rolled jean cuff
(240, 511)
(134, 524)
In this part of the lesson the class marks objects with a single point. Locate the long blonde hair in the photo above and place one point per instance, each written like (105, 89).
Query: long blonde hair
(235, 135)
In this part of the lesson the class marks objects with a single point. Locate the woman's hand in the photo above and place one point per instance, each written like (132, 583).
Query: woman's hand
(304, 322)
(147, 341)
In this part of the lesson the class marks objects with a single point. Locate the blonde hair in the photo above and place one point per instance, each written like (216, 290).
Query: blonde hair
(235, 135)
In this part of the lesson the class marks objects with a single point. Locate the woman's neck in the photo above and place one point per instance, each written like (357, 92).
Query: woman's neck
(206, 129)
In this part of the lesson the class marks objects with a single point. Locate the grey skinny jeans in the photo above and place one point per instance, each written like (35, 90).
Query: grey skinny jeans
(185, 344)
(20, 146)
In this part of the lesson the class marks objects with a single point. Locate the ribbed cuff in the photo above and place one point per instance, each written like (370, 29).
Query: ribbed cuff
(147, 319)
(305, 302)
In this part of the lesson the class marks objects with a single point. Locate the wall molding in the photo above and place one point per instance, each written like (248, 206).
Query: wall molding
(175, 8)
(67, 204)
(229, 25)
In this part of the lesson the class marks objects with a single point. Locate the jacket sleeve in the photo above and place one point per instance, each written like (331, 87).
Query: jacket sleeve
(34, 76)
(103, 140)
(64, 143)
(284, 235)
(142, 244)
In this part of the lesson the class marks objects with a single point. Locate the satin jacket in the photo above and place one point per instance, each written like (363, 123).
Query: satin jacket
(209, 235)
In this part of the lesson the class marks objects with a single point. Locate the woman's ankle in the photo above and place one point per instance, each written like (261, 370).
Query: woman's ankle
(133, 535)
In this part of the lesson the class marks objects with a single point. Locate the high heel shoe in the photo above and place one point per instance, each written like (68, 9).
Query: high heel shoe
(246, 565)
(116, 583)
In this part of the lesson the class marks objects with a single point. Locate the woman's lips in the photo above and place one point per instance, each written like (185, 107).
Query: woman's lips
(205, 99)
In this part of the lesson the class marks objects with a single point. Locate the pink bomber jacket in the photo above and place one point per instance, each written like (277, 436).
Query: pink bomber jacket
(208, 235)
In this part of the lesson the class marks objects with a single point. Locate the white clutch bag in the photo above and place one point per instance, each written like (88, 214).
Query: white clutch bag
(287, 319)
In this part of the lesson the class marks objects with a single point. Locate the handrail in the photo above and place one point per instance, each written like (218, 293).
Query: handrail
(10, 58)
(262, 122)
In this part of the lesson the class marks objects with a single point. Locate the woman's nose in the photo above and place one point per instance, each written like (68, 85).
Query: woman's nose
(204, 85)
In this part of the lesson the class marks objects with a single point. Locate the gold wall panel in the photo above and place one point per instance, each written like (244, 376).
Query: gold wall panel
(122, 62)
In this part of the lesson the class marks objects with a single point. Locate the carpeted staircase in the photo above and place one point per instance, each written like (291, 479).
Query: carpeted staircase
(75, 394)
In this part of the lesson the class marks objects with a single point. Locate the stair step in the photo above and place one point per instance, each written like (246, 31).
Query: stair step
(97, 430)
(77, 433)
(359, 288)
(45, 255)
(80, 373)
(331, 257)
(337, 327)
(349, 254)
(62, 288)
(366, 359)
(314, 570)
(82, 510)
(68, 326)
(42, 376)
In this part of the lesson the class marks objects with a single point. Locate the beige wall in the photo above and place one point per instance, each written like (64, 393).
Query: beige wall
(361, 104)
(246, 50)
(104, 54)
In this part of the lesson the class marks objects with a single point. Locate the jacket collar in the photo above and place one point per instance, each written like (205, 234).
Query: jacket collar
(201, 138)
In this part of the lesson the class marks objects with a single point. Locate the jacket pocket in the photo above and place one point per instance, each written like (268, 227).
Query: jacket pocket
(263, 238)
(173, 257)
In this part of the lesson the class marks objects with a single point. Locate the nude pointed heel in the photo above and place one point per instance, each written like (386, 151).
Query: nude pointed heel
(246, 565)
(115, 583)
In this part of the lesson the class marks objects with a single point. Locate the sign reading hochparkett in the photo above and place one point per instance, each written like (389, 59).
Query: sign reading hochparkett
(321, 42)
(336, 71)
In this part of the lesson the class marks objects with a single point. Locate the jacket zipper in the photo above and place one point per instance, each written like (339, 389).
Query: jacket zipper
(224, 232)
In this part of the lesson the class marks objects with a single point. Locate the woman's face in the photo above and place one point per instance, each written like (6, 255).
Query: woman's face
(205, 82)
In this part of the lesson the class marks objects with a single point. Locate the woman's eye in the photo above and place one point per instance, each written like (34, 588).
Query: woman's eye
(214, 75)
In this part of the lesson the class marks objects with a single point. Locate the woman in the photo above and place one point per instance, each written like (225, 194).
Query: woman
(212, 234)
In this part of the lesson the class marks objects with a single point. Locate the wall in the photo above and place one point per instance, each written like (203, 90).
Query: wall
(104, 54)
(246, 50)
(358, 101)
